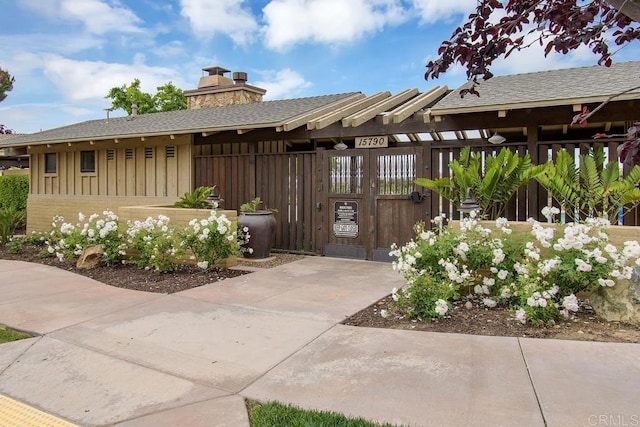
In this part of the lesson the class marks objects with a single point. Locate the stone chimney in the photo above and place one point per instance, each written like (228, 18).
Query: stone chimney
(217, 90)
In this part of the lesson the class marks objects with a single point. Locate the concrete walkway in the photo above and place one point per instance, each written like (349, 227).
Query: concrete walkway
(109, 356)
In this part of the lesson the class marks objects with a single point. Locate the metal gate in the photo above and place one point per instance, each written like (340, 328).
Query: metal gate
(369, 200)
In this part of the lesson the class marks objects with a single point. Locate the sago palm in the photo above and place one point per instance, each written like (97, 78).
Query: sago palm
(492, 186)
(590, 188)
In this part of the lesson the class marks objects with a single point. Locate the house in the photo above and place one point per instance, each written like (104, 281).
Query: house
(9, 158)
(339, 168)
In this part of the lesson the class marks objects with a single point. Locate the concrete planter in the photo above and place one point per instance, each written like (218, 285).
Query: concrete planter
(179, 217)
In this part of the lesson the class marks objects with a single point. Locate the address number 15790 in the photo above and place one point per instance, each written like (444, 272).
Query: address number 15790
(372, 141)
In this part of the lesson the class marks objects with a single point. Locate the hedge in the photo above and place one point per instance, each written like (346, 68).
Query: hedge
(14, 190)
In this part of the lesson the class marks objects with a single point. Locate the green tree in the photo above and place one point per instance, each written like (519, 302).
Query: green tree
(167, 98)
(559, 25)
(6, 85)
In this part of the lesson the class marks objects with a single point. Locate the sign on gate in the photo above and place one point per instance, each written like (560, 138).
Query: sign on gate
(345, 220)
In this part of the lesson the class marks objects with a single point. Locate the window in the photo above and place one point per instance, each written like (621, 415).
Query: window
(111, 154)
(87, 161)
(128, 154)
(148, 153)
(50, 163)
(171, 151)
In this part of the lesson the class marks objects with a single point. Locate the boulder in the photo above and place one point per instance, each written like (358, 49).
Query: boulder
(91, 257)
(620, 303)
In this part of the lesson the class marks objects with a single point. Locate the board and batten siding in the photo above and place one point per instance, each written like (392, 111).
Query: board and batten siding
(157, 167)
(156, 170)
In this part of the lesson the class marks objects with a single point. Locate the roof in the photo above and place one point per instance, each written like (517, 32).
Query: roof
(546, 88)
(568, 87)
(244, 116)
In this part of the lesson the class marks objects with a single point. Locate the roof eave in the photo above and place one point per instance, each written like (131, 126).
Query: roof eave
(143, 135)
(533, 104)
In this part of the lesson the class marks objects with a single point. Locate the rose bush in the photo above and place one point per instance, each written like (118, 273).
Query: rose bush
(212, 239)
(67, 240)
(158, 245)
(537, 275)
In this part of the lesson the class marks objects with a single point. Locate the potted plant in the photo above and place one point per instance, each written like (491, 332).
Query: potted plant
(260, 224)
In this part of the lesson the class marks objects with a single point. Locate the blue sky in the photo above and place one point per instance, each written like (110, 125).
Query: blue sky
(66, 54)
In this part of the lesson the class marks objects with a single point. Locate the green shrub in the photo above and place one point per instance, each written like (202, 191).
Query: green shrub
(157, 244)
(10, 220)
(210, 240)
(67, 241)
(537, 274)
(14, 190)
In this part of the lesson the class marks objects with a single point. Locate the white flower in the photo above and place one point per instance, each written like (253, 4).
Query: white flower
(498, 256)
(488, 302)
(606, 283)
(521, 316)
(481, 289)
(384, 313)
(502, 274)
(203, 265)
(571, 303)
(583, 266)
(441, 307)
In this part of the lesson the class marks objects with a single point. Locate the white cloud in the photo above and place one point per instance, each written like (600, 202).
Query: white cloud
(91, 80)
(19, 44)
(282, 84)
(432, 11)
(229, 17)
(98, 16)
(289, 22)
(532, 59)
(34, 117)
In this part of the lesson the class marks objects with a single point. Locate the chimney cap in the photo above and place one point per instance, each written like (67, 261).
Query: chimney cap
(215, 70)
(240, 77)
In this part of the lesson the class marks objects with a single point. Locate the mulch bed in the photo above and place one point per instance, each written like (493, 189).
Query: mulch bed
(475, 319)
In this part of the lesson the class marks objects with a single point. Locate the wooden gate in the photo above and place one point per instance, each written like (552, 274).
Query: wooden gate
(366, 203)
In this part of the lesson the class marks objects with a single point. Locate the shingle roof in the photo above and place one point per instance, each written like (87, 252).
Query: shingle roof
(255, 115)
(546, 88)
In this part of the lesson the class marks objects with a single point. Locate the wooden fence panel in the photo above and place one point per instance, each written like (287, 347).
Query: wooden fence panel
(284, 181)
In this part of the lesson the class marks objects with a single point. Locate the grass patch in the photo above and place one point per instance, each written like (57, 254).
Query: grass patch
(7, 335)
(275, 414)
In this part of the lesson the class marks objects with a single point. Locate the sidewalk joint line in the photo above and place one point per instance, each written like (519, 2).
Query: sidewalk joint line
(535, 392)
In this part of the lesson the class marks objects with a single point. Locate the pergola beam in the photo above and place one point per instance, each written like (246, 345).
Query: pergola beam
(334, 116)
(307, 117)
(405, 111)
(369, 113)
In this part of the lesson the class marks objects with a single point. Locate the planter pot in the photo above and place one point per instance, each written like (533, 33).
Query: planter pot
(262, 232)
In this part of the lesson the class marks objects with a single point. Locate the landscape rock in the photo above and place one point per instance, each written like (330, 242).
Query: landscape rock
(91, 257)
(620, 303)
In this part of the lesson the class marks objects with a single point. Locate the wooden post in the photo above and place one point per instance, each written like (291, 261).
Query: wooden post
(534, 187)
